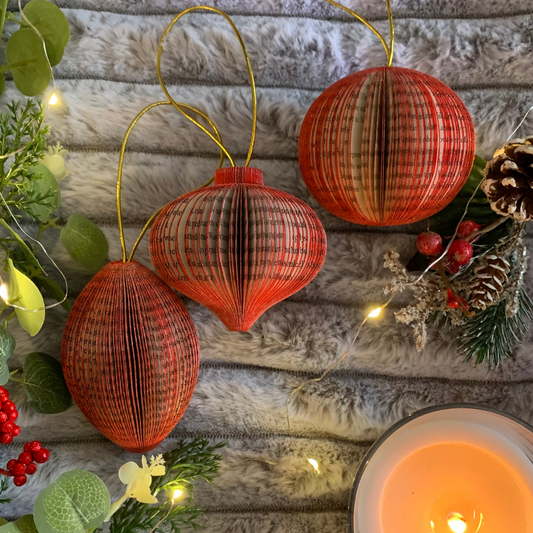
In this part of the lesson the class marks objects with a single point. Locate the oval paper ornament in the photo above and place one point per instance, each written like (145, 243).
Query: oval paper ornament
(237, 247)
(130, 355)
(386, 146)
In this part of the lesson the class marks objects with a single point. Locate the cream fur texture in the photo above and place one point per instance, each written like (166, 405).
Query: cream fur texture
(481, 48)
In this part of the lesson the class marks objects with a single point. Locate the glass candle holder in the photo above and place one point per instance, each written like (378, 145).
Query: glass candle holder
(456, 468)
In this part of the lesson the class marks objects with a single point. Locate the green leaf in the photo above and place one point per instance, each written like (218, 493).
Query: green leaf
(45, 384)
(479, 210)
(3, 521)
(32, 72)
(44, 189)
(85, 242)
(24, 524)
(7, 347)
(53, 26)
(75, 502)
(24, 293)
(53, 289)
(2, 83)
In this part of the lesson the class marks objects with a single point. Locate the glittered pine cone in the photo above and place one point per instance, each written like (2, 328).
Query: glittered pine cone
(508, 179)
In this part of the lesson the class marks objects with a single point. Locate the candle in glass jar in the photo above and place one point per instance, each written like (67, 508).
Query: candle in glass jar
(463, 471)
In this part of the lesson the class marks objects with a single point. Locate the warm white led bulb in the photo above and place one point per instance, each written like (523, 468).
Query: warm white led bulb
(3, 292)
(177, 494)
(314, 464)
(456, 523)
(53, 99)
(375, 312)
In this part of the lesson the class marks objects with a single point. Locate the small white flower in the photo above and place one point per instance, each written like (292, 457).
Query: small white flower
(138, 480)
(54, 161)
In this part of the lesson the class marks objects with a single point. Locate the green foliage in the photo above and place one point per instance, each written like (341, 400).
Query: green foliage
(24, 524)
(7, 347)
(44, 192)
(189, 462)
(4, 485)
(85, 242)
(75, 502)
(3, 521)
(53, 289)
(45, 385)
(491, 335)
(25, 53)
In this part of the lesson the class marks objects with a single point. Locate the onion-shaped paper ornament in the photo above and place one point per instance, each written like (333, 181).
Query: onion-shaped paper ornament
(237, 247)
(130, 355)
(386, 146)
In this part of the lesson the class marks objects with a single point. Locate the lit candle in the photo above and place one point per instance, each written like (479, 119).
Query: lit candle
(454, 469)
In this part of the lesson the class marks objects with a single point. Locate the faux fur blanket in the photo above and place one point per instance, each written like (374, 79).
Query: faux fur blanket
(481, 48)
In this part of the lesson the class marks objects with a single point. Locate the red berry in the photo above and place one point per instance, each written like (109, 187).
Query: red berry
(31, 469)
(466, 227)
(11, 464)
(13, 415)
(4, 398)
(25, 458)
(3, 417)
(20, 480)
(41, 456)
(34, 445)
(451, 266)
(16, 430)
(2, 390)
(461, 251)
(27, 447)
(7, 427)
(8, 406)
(6, 438)
(18, 469)
(429, 243)
(452, 300)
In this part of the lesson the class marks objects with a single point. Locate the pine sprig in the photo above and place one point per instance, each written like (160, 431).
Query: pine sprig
(4, 485)
(187, 463)
(491, 335)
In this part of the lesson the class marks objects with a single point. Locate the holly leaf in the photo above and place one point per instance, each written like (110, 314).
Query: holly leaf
(53, 26)
(7, 347)
(32, 73)
(85, 242)
(25, 294)
(76, 502)
(479, 210)
(43, 189)
(53, 289)
(44, 384)
(24, 524)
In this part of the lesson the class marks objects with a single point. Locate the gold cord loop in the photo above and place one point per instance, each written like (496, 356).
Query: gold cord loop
(388, 49)
(248, 66)
(125, 257)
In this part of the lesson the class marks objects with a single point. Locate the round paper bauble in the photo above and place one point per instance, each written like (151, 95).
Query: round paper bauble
(130, 355)
(386, 146)
(237, 247)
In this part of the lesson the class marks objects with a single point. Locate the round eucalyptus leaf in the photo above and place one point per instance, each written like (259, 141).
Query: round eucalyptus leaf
(44, 189)
(85, 242)
(7, 347)
(44, 384)
(24, 524)
(31, 72)
(74, 503)
(53, 26)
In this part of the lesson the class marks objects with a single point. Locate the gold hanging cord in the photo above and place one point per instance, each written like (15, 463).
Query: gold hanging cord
(248, 66)
(121, 168)
(216, 137)
(389, 49)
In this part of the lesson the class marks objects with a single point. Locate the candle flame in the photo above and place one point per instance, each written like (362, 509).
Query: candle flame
(53, 99)
(375, 312)
(314, 464)
(456, 523)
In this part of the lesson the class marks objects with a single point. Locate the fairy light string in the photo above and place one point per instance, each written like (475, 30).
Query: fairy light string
(389, 48)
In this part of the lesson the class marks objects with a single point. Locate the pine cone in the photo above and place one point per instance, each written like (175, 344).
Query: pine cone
(508, 179)
(490, 277)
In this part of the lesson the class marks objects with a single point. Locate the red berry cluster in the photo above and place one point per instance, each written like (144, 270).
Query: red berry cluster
(460, 251)
(26, 464)
(8, 415)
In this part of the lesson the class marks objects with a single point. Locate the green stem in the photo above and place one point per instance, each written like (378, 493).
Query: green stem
(3, 15)
(12, 17)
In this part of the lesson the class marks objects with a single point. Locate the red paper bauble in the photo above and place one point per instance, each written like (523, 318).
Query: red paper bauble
(237, 247)
(130, 355)
(386, 146)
